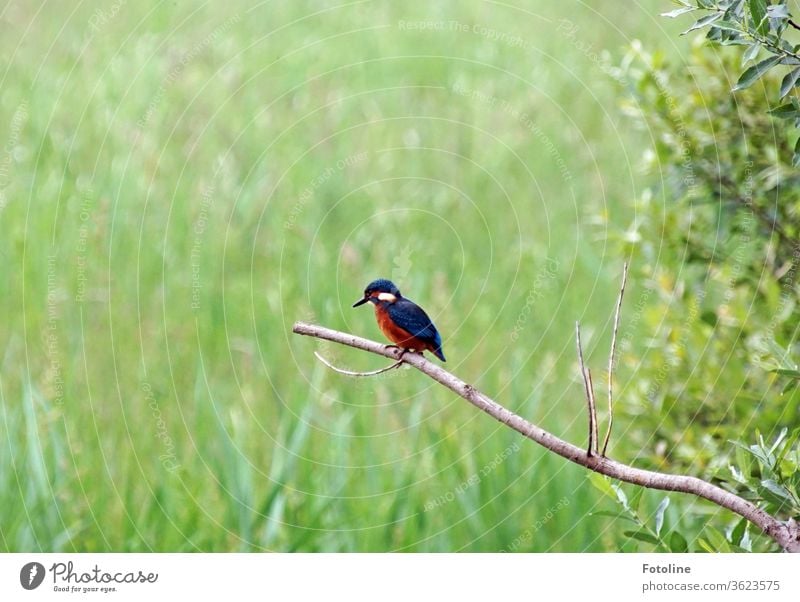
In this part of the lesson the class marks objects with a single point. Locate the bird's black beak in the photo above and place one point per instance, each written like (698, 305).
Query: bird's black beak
(360, 302)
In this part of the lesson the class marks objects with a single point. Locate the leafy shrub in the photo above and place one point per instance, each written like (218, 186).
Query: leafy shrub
(764, 28)
(715, 240)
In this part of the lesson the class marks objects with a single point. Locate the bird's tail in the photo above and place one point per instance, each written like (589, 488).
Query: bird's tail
(438, 353)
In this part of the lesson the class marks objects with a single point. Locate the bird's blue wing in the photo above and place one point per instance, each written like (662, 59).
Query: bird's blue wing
(411, 317)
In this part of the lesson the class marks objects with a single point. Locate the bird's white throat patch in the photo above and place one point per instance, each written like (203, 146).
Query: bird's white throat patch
(387, 297)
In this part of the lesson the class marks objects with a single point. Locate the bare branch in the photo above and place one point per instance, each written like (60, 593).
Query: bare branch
(350, 373)
(611, 357)
(589, 390)
(787, 535)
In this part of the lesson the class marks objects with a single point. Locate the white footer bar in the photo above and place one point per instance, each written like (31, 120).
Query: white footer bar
(398, 577)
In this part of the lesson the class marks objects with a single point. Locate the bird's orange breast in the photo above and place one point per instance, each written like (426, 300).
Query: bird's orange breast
(398, 336)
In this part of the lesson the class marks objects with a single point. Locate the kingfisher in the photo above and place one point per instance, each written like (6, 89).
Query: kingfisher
(402, 321)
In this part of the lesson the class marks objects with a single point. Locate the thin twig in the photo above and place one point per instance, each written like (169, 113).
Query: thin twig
(793, 24)
(588, 389)
(611, 357)
(351, 373)
(786, 535)
(593, 406)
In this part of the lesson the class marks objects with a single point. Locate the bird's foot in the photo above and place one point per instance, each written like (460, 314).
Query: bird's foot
(402, 351)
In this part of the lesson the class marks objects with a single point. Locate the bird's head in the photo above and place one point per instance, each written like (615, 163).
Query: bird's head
(379, 290)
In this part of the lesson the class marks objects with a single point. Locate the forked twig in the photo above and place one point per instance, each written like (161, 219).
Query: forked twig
(351, 373)
(593, 403)
(589, 389)
(611, 358)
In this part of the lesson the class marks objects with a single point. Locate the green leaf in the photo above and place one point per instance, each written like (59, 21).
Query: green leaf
(621, 497)
(758, 12)
(785, 371)
(728, 26)
(677, 542)
(781, 436)
(778, 11)
(706, 546)
(642, 536)
(787, 111)
(743, 461)
(780, 354)
(635, 499)
(787, 446)
(717, 539)
(678, 12)
(737, 474)
(603, 484)
(761, 455)
(704, 21)
(620, 515)
(789, 81)
(756, 451)
(773, 487)
(752, 74)
(738, 532)
(662, 507)
(750, 53)
(796, 156)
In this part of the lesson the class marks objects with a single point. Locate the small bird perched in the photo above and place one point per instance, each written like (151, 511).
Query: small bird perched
(402, 321)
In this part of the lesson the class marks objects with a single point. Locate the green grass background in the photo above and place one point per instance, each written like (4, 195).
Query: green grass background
(182, 181)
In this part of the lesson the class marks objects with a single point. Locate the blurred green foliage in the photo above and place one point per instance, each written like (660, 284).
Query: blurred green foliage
(716, 238)
(183, 181)
(768, 33)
